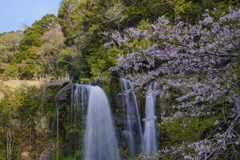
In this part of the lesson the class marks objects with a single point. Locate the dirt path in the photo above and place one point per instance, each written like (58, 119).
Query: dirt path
(19, 83)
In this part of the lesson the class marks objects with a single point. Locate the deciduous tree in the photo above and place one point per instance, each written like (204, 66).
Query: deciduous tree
(202, 59)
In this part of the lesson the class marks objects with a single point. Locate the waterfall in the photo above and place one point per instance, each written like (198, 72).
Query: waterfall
(57, 117)
(60, 96)
(100, 141)
(149, 137)
(80, 102)
(75, 112)
(81, 96)
(133, 129)
(129, 139)
(88, 119)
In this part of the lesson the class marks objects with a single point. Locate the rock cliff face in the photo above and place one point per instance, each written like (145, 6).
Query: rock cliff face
(26, 156)
(31, 123)
(1, 95)
(46, 156)
(42, 136)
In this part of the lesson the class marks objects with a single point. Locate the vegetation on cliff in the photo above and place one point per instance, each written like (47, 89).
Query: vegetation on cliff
(196, 111)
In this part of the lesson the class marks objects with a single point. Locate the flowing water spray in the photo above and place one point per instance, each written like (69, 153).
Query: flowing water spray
(60, 96)
(81, 96)
(76, 111)
(100, 142)
(133, 125)
(149, 137)
(80, 103)
(57, 117)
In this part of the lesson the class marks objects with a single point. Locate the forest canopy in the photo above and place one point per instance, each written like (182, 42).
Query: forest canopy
(189, 49)
(74, 41)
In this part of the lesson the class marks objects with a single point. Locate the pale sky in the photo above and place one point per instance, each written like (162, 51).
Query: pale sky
(14, 13)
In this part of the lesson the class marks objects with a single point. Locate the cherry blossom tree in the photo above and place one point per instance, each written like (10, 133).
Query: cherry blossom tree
(202, 58)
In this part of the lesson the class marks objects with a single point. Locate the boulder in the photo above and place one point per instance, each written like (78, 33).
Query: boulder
(44, 122)
(26, 156)
(60, 83)
(46, 156)
(43, 125)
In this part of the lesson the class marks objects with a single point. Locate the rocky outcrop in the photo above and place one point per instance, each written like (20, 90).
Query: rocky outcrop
(43, 125)
(1, 95)
(46, 156)
(26, 156)
(60, 83)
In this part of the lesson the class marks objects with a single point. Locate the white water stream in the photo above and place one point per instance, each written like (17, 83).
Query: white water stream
(133, 122)
(100, 142)
(149, 137)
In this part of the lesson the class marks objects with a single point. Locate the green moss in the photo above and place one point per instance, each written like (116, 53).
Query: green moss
(85, 80)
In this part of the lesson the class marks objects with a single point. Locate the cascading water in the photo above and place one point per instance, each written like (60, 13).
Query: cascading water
(81, 96)
(90, 113)
(60, 96)
(149, 137)
(133, 125)
(76, 112)
(80, 102)
(100, 141)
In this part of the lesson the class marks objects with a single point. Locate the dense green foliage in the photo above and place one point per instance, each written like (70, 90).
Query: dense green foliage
(27, 121)
(73, 43)
(38, 52)
(18, 112)
(9, 46)
(76, 46)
